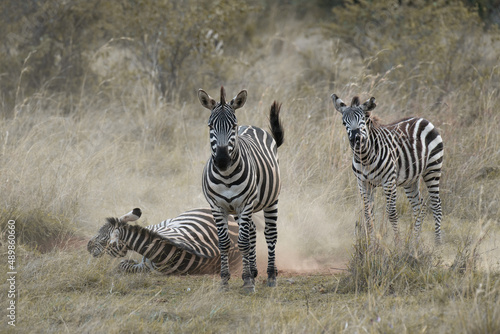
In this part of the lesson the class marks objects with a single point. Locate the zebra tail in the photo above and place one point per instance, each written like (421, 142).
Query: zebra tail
(276, 126)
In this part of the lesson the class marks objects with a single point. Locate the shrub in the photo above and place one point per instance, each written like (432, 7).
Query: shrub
(429, 49)
(37, 229)
(386, 269)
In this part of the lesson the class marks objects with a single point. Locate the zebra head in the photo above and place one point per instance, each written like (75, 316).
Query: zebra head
(108, 240)
(223, 126)
(355, 118)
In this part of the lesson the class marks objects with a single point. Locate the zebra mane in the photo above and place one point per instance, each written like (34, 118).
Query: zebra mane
(115, 221)
(138, 228)
(355, 101)
(222, 96)
(375, 120)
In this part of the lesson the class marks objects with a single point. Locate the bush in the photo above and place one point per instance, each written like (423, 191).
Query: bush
(428, 50)
(37, 229)
(54, 46)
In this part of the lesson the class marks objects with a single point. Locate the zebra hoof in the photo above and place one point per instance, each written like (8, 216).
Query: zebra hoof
(249, 289)
(271, 282)
(224, 283)
(438, 241)
(249, 286)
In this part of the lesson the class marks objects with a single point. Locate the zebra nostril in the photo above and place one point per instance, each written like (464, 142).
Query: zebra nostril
(355, 136)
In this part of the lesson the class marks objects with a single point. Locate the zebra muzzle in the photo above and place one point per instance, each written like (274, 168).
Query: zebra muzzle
(355, 137)
(222, 159)
(94, 249)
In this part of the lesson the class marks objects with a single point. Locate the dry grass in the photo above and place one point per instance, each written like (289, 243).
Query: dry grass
(61, 174)
(91, 297)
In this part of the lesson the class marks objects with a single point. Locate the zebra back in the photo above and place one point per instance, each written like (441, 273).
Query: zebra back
(418, 147)
(195, 232)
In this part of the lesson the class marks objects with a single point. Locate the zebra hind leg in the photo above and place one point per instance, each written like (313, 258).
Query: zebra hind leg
(413, 194)
(271, 234)
(253, 249)
(431, 180)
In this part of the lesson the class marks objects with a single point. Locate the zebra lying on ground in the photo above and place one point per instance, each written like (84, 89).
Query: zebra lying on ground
(242, 177)
(186, 244)
(396, 154)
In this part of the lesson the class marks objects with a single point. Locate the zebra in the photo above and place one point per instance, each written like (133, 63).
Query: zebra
(392, 155)
(186, 244)
(242, 177)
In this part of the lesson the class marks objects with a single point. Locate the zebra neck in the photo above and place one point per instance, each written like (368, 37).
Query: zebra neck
(368, 148)
(362, 153)
(146, 242)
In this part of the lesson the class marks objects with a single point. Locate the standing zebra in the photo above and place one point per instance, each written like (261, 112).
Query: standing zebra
(186, 244)
(242, 177)
(396, 154)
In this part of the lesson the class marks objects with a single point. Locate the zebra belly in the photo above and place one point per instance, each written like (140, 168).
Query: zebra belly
(377, 178)
(402, 182)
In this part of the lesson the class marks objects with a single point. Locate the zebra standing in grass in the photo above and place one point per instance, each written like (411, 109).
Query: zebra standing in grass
(186, 244)
(242, 177)
(396, 154)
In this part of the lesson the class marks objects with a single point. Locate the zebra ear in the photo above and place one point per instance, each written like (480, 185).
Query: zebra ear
(369, 105)
(131, 216)
(239, 100)
(206, 100)
(338, 103)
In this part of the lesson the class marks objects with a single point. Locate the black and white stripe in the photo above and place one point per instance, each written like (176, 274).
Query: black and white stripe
(392, 155)
(240, 178)
(186, 244)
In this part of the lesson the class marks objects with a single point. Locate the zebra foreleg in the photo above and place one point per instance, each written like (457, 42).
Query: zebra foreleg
(271, 234)
(253, 249)
(224, 246)
(245, 244)
(131, 266)
(366, 192)
(390, 197)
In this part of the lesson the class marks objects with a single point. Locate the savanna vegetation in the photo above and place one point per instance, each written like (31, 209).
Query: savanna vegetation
(99, 114)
